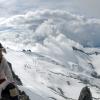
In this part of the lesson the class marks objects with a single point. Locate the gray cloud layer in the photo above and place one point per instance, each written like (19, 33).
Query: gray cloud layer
(35, 27)
(13, 7)
(89, 8)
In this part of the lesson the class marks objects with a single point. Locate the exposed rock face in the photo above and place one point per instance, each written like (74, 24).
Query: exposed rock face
(16, 78)
(5, 92)
(85, 94)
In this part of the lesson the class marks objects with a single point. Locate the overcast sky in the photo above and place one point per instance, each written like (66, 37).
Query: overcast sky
(88, 8)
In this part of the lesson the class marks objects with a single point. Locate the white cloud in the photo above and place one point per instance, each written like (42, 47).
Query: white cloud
(84, 7)
(89, 8)
(39, 25)
(13, 7)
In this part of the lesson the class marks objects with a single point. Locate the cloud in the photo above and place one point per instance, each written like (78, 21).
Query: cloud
(89, 8)
(83, 7)
(14, 7)
(6, 6)
(35, 27)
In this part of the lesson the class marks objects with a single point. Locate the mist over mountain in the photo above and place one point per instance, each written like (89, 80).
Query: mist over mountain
(36, 27)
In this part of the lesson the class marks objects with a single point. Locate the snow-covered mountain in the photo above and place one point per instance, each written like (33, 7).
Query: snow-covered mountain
(46, 50)
(55, 70)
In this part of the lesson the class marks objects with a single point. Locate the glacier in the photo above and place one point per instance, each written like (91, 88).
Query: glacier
(54, 53)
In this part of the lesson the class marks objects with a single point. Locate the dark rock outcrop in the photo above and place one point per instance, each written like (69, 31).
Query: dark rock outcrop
(85, 94)
(22, 94)
(16, 78)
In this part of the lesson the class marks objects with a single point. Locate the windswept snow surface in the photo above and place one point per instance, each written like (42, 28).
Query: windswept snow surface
(54, 71)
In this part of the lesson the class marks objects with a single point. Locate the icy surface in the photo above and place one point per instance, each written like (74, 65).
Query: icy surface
(47, 74)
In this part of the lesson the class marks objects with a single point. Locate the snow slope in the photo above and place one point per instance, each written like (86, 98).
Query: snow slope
(54, 71)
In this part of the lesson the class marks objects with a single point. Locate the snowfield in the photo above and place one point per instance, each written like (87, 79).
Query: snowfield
(52, 75)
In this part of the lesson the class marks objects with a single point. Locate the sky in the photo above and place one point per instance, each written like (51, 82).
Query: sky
(88, 8)
(42, 18)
